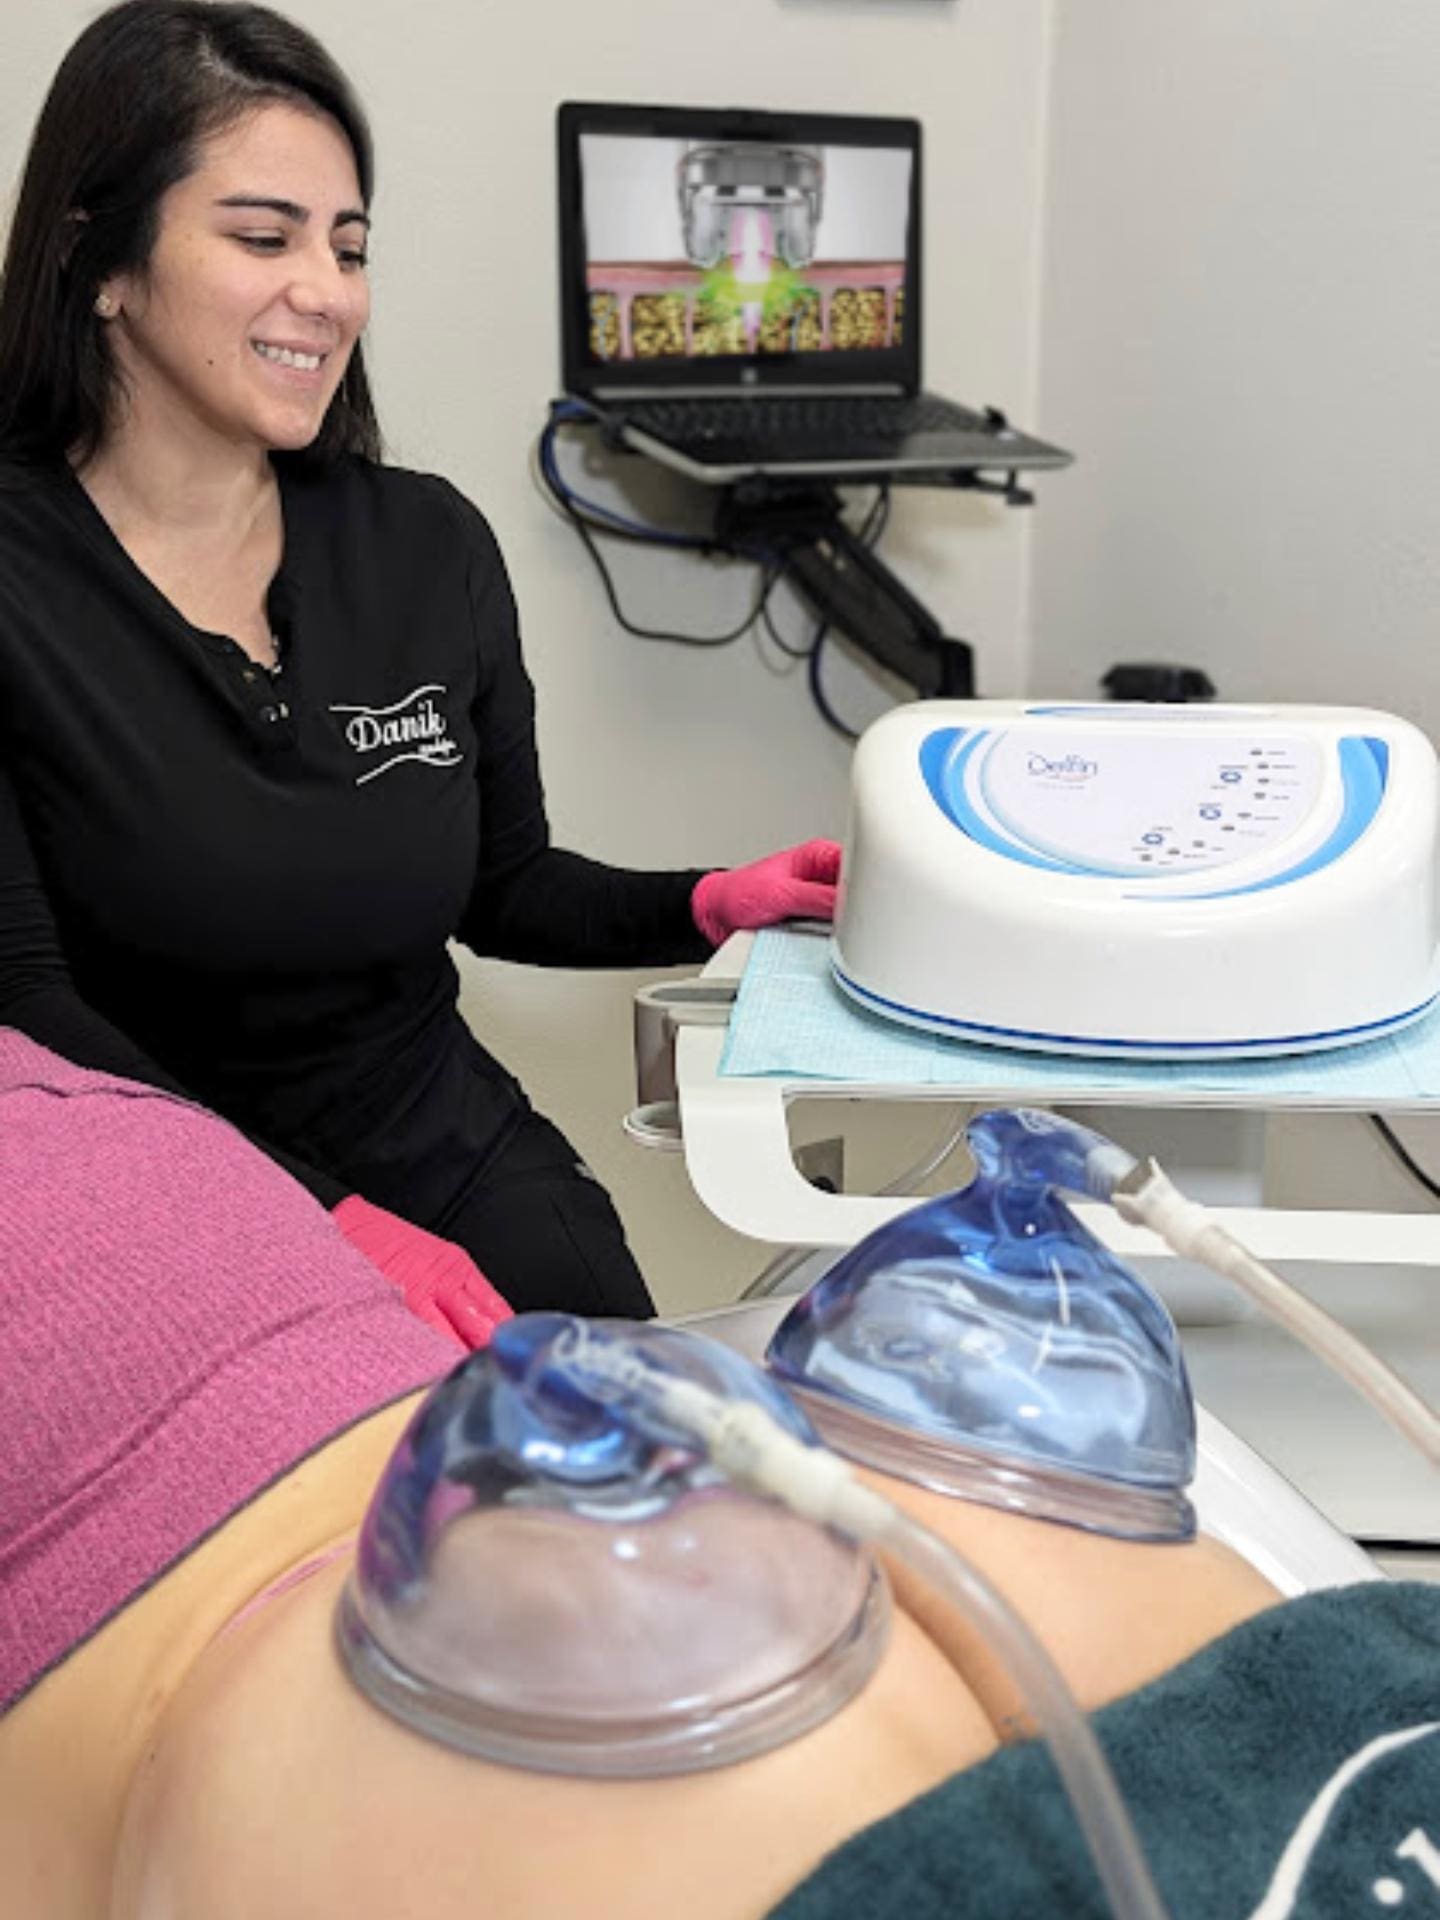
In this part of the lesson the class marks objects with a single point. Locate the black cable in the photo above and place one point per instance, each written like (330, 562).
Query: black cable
(817, 691)
(602, 519)
(1402, 1153)
(872, 527)
(793, 653)
(768, 579)
(876, 518)
(587, 526)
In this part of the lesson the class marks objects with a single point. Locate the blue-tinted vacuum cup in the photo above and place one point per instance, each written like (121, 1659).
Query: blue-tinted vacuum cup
(551, 1576)
(987, 1345)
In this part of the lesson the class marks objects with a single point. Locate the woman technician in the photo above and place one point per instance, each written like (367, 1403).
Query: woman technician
(266, 736)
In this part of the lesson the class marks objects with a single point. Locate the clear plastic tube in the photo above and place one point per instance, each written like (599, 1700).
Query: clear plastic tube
(907, 1181)
(748, 1445)
(773, 1276)
(1148, 1198)
(1074, 1159)
(1079, 1759)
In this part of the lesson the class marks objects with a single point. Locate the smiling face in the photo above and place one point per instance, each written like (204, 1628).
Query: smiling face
(240, 326)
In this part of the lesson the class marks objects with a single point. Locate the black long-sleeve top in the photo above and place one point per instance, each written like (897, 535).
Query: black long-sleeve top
(243, 885)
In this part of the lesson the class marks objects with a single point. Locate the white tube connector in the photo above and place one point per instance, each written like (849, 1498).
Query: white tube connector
(746, 1443)
(753, 1450)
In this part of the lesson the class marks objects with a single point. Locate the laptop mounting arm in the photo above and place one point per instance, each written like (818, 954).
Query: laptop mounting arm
(800, 529)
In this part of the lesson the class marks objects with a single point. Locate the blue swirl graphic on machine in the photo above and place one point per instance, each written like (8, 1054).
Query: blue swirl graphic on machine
(1164, 882)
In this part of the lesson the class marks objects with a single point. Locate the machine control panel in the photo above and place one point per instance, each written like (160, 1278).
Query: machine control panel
(1186, 811)
(1126, 803)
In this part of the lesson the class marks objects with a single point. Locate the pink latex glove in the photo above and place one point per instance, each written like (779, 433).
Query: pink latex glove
(798, 884)
(437, 1280)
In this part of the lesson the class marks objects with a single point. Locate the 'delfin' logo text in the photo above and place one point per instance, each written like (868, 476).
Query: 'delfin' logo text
(1070, 770)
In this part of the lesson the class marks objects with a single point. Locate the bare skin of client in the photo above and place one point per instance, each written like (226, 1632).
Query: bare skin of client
(198, 1758)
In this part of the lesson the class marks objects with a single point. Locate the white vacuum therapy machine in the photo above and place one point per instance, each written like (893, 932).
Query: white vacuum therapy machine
(1149, 881)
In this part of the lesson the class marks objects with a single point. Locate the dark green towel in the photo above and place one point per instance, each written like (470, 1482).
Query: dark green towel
(1292, 1767)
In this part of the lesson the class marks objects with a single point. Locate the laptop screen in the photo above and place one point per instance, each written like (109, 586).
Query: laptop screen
(710, 249)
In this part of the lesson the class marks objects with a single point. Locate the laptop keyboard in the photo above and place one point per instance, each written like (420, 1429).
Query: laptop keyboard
(799, 427)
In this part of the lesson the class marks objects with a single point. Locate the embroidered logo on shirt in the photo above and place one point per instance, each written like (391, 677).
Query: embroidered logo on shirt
(410, 729)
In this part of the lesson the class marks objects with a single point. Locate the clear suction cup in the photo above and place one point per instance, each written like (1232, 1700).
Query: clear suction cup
(986, 1345)
(551, 1577)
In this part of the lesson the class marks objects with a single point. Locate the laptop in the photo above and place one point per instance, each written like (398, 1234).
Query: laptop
(741, 295)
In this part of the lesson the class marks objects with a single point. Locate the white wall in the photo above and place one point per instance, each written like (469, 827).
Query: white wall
(1241, 339)
(656, 755)
(1241, 326)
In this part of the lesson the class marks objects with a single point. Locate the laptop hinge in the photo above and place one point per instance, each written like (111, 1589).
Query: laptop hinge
(812, 390)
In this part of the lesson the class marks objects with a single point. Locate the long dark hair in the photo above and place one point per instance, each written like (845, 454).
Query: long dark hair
(139, 91)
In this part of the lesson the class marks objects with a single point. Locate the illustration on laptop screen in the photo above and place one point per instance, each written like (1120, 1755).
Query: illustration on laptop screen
(696, 249)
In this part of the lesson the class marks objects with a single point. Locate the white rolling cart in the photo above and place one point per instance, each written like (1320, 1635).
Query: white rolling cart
(1378, 1271)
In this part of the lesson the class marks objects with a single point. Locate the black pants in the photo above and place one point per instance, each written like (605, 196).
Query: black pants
(542, 1229)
